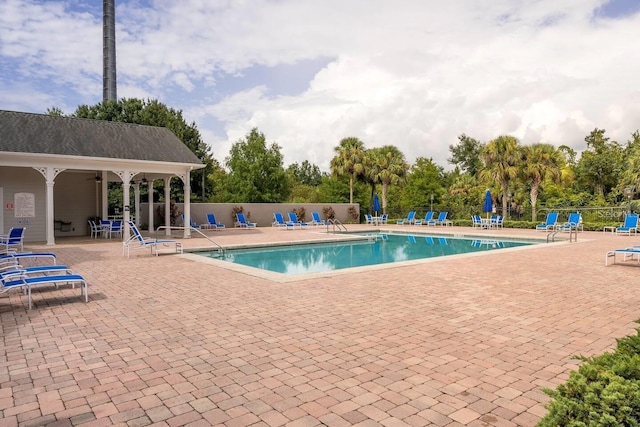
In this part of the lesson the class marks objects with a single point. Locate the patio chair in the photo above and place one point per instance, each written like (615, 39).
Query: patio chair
(95, 230)
(243, 223)
(630, 225)
(441, 220)
(28, 255)
(496, 221)
(427, 217)
(410, 219)
(211, 223)
(293, 218)
(20, 279)
(550, 223)
(627, 254)
(573, 222)
(193, 224)
(384, 218)
(136, 241)
(13, 239)
(278, 221)
(115, 229)
(368, 219)
(316, 220)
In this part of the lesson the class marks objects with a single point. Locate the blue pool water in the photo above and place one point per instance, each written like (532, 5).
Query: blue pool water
(379, 249)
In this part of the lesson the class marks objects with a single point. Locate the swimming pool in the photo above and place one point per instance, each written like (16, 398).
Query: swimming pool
(374, 249)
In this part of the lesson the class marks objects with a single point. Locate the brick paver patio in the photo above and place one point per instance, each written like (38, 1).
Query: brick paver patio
(466, 340)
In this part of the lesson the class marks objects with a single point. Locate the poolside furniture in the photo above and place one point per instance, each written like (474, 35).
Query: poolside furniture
(20, 279)
(384, 218)
(441, 220)
(293, 218)
(427, 217)
(136, 241)
(550, 223)
(115, 229)
(211, 223)
(13, 239)
(476, 221)
(368, 219)
(627, 254)
(316, 220)
(573, 223)
(191, 222)
(410, 219)
(280, 222)
(496, 221)
(95, 230)
(630, 225)
(243, 223)
(28, 255)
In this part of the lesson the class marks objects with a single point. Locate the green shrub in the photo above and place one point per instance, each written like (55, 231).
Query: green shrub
(604, 391)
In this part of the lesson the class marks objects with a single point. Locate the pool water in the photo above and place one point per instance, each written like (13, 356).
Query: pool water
(378, 249)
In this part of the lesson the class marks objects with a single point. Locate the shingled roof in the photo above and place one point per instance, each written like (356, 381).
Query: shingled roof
(55, 135)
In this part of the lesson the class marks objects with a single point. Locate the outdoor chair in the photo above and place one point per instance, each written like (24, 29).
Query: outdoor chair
(13, 239)
(573, 222)
(293, 218)
(410, 219)
(441, 220)
(630, 225)
(242, 221)
(427, 217)
(280, 222)
(211, 223)
(550, 223)
(316, 220)
(136, 241)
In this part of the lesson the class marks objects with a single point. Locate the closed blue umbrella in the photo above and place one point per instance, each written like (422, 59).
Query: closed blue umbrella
(376, 203)
(488, 203)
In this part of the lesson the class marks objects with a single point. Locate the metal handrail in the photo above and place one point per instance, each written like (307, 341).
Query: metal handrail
(170, 227)
(573, 234)
(336, 222)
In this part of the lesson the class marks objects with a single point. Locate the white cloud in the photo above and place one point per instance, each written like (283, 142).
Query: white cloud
(415, 74)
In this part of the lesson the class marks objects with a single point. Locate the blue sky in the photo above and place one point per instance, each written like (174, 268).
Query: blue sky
(415, 73)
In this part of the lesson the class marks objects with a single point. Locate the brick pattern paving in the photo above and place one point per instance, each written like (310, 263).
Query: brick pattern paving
(467, 340)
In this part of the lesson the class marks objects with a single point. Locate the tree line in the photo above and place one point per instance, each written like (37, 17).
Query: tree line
(520, 177)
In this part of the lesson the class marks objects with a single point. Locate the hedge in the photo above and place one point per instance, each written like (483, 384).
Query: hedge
(604, 391)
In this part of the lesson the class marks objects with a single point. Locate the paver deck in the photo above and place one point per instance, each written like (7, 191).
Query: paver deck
(463, 340)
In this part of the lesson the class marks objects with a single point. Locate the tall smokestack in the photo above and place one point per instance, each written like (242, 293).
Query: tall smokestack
(109, 51)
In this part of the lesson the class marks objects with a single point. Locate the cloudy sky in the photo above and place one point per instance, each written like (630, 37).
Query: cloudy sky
(412, 73)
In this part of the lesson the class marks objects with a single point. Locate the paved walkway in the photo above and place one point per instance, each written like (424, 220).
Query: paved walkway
(467, 340)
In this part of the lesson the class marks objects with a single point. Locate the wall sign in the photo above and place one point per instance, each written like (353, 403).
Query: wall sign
(24, 205)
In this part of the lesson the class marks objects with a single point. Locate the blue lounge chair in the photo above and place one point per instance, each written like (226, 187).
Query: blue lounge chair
(627, 253)
(212, 224)
(20, 279)
(316, 220)
(410, 219)
(14, 240)
(28, 255)
(441, 220)
(550, 223)
(278, 221)
(136, 241)
(193, 224)
(293, 218)
(427, 217)
(242, 221)
(573, 222)
(630, 225)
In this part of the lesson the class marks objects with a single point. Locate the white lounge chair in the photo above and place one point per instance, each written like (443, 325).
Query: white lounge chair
(21, 279)
(242, 221)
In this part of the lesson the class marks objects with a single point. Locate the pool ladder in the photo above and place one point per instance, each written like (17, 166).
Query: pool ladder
(219, 249)
(336, 224)
(573, 234)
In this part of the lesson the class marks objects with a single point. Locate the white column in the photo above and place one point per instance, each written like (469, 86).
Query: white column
(126, 178)
(167, 205)
(104, 194)
(151, 213)
(51, 239)
(186, 183)
(136, 197)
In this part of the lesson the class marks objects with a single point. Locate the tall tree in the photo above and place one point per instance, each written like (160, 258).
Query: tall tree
(349, 161)
(500, 157)
(466, 154)
(390, 168)
(540, 162)
(256, 172)
(424, 180)
(600, 164)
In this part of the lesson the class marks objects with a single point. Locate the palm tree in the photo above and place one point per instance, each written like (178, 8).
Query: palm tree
(389, 167)
(349, 160)
(541, 162)
(500, 157)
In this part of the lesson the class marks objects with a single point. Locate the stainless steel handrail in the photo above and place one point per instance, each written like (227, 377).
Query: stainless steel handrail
(171, 227)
